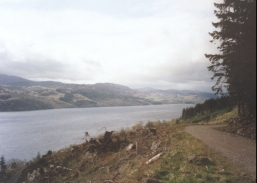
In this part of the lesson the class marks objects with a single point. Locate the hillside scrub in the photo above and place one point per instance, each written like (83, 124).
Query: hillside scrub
(121, 157)
(245, 127)
(209, 109)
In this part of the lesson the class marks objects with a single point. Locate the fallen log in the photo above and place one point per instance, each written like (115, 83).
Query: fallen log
(154, 158)
(129, 147)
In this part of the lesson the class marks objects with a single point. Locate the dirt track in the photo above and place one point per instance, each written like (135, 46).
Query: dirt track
(239, 150)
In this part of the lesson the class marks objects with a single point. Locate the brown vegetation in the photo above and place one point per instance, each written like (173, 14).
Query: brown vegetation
(156, 152)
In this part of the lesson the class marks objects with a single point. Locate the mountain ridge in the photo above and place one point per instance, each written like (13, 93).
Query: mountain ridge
(19, 94)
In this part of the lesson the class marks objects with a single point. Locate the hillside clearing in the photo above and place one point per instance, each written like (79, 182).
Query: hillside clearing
(111, 162)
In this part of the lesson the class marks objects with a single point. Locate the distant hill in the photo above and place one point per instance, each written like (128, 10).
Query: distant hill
(174, 96)
(19, 94)
(18, 81)
(14, 80)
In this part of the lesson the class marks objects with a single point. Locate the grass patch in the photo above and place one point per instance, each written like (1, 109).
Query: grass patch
(174, 167)
(161, 173)
(215, 117)
(221, 118)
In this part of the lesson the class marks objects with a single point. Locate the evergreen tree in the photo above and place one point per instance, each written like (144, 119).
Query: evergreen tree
(209, 106)
(234, 66)
(2, 164)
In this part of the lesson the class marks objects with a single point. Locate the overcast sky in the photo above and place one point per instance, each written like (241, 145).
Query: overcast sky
(136, 43)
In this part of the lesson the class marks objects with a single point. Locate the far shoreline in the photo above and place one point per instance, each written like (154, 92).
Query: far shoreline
(96, 107)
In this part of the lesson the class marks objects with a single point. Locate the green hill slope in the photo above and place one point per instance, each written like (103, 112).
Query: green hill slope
(18, 94)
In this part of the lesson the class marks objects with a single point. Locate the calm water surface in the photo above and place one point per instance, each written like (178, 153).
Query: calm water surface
(24, 134)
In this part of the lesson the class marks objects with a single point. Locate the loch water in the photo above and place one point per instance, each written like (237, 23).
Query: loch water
(24, 134)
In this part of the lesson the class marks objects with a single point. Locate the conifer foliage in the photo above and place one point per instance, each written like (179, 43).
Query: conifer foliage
(208, 107)
(2, 164)
(234, 66)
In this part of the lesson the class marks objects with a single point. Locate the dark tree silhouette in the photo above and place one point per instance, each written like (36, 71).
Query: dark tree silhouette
(2, 164)
(234, 67)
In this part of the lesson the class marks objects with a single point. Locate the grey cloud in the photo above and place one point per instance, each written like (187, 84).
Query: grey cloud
(39, 67)
(92, 63)
(30, 67)
(182, 67)
(193, 75)
(190, 72)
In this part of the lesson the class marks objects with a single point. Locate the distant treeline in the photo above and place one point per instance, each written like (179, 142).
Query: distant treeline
(209, 106)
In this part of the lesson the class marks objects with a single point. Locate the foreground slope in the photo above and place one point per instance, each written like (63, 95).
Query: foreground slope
(157, 152)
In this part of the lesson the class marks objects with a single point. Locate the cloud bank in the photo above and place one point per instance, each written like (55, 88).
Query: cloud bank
(134, 43)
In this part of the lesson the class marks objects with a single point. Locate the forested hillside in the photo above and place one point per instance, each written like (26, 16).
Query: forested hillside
(209, 109)
(19, 94)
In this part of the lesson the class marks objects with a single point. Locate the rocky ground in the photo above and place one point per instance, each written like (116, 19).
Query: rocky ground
(245, 127)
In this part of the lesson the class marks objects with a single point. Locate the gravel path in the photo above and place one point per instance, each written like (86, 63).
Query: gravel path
(239, 150)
